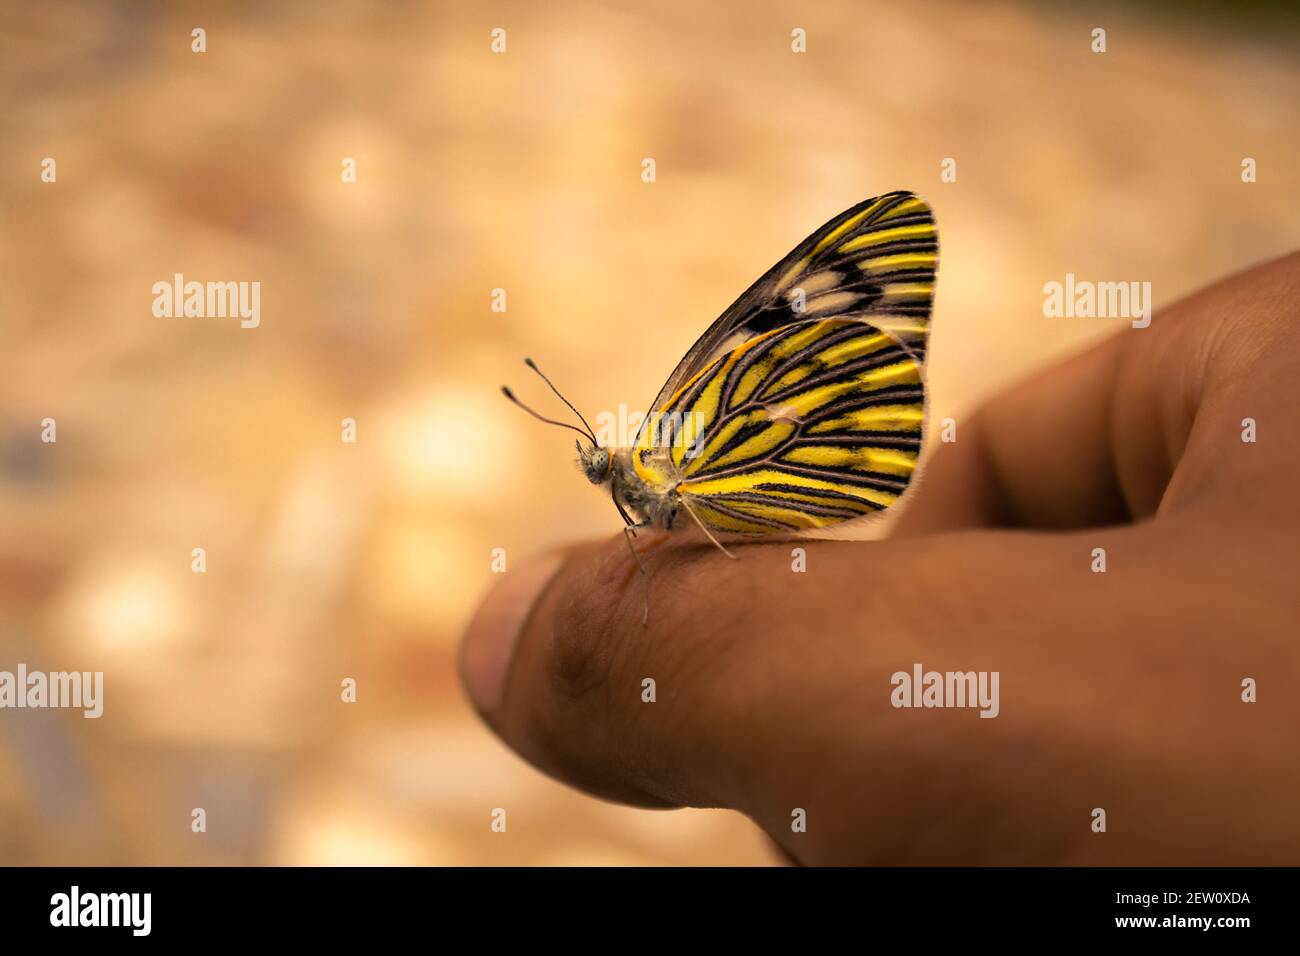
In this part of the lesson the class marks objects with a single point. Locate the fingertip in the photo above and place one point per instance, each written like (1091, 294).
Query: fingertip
(488, 647)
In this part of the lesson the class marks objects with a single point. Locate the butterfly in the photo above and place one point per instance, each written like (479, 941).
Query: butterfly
(803, 405)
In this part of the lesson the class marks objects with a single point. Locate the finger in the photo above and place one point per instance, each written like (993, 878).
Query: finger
(1097, 440)
(772, 692)
(1009, 468)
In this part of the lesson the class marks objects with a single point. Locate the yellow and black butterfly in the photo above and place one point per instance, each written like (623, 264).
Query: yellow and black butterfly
(802, 406)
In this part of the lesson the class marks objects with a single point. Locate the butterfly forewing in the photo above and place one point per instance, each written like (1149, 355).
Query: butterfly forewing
(875, 261)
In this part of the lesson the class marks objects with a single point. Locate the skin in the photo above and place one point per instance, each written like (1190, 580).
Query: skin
(1120, 690)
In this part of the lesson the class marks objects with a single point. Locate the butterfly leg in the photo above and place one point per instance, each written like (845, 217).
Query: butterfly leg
(622, 512)
(709, 534)
(629, 532)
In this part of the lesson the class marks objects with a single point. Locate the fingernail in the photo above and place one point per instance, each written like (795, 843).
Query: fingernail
(489, 643)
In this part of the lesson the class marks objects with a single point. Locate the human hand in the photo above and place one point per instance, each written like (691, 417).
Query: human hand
(1119, 690)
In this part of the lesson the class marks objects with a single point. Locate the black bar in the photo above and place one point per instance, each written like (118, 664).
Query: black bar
(334, 905)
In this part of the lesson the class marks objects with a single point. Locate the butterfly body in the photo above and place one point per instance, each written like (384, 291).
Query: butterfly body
(649, 493)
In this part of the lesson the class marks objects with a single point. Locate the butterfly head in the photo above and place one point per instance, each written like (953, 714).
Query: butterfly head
(597, 463)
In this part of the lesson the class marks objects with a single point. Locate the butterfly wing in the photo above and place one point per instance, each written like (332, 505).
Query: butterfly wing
(808, 425)
(875, 261)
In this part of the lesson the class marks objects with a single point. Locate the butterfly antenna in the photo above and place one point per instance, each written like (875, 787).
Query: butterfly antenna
(542, 418)
(533, 365)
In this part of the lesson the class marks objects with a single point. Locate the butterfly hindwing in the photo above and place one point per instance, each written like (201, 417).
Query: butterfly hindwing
(807, 425)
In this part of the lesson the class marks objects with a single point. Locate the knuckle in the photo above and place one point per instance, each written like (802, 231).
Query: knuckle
(591, 621)
(601, 635)
(584, 716)
(590, 718)
(600, 647)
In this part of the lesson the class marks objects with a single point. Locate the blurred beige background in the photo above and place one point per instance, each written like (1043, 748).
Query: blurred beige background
(476, 171)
